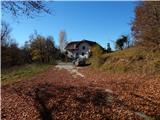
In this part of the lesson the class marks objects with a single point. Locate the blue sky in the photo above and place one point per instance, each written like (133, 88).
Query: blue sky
(102, 22)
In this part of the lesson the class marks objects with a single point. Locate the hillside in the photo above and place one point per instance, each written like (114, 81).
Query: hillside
(128, 60)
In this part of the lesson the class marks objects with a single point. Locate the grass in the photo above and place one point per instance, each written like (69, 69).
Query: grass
(129, 60)
(17, 73)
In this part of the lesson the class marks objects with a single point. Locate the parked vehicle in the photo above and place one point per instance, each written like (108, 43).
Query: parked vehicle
(79, 62)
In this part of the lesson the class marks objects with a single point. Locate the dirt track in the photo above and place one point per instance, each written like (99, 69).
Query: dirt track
(82, 93)
(70, 68)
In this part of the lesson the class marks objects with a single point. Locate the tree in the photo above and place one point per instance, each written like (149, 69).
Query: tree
(62, 40)
(121, 42)
(146, 25)
(15, 54)
(27, 8)
(97, 56)
(109, 48)
(10, 53)
(5, 33)
(26, 53)
(42, 49)
(96, 51)
(38, 49)
(50, 49)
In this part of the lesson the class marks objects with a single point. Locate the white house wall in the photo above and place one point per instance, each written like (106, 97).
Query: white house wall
(78, 53)
(85, 51)
(69, 54)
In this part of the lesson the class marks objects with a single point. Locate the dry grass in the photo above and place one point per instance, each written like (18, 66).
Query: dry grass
(129, 60)
(17, 73)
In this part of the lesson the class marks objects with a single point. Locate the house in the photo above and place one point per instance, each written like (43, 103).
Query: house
(79, 49)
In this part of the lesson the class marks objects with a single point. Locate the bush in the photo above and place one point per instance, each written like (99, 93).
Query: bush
(97, 59)
(96, 51)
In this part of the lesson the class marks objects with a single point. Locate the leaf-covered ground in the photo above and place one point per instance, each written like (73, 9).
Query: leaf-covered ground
(57, 94)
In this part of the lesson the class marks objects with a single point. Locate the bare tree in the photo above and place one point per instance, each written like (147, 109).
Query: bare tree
(62, 40)
(28, 8)
(5, 33)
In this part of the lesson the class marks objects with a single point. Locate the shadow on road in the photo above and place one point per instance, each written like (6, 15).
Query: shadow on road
(56, 102)
(42, 94)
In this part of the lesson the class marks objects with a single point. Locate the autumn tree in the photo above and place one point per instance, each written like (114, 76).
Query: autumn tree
(38, 49)
(15, 54)
(62, 40)
(50, 49)
(10, 53)
(146, 25)
(97, 56)
(26, 53)
(42, 49)
(96, 51)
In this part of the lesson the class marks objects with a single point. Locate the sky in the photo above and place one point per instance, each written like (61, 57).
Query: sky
(102, 22)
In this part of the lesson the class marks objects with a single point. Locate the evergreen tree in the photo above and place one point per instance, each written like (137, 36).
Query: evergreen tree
(109, 48)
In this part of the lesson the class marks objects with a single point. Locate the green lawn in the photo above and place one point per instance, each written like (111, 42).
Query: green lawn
(20, 72)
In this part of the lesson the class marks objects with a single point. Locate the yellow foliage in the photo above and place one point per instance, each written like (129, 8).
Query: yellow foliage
(96, 51)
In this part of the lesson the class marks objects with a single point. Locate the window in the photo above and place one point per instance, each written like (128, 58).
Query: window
(82, 53)
(83, 47)
(77, 54)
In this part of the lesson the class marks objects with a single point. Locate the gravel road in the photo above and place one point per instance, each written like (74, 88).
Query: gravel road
(71, 68)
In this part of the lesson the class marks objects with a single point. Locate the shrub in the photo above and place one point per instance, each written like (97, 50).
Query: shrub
(96, 51)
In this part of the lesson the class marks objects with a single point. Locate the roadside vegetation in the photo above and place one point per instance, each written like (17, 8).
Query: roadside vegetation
(17, 73)
(131, 60)
(141, 55)
(37, 54)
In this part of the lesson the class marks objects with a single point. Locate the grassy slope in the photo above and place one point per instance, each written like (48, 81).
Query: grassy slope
(129, 60)
(20, 72)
